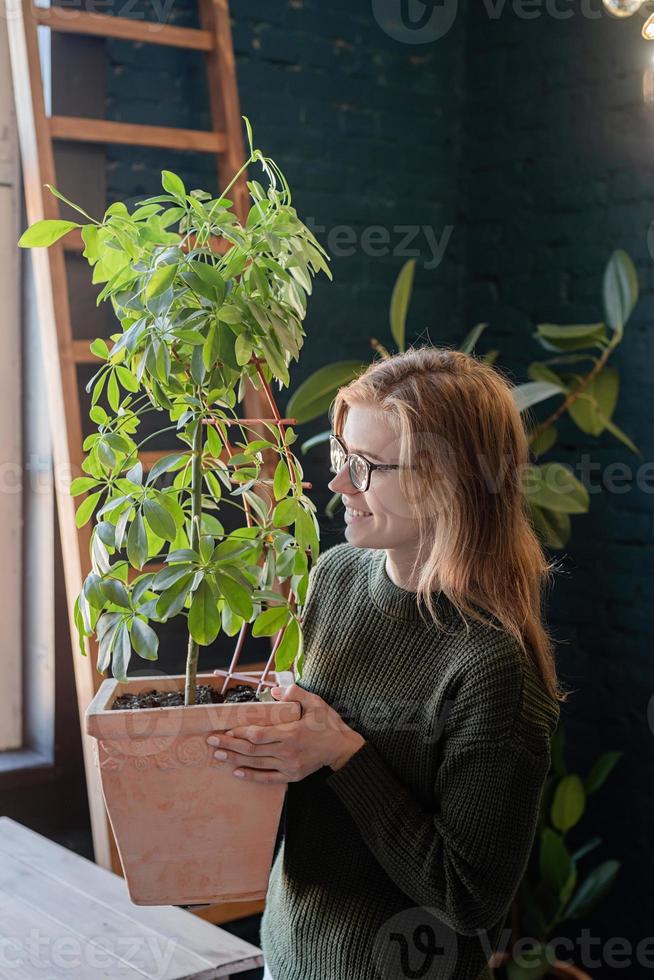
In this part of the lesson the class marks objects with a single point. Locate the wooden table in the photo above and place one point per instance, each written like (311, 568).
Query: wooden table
(63, 917)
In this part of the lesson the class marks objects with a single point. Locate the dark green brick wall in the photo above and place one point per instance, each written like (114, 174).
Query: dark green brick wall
(559, 148)
(530, 140)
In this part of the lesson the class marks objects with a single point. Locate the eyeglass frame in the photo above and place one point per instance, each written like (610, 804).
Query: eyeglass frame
(370, 466)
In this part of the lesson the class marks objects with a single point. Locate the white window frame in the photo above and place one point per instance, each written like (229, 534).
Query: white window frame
(27, 511)
(11, 510)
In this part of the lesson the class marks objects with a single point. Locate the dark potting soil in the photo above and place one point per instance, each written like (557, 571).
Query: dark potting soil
(204, 694)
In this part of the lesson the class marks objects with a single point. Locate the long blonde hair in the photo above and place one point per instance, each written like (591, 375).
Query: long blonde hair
(458, 424)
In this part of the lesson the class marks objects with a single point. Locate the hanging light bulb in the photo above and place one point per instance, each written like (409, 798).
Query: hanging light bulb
(623, 8)
(648, 28)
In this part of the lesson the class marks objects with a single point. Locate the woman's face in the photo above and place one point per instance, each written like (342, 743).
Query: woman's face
(389, 523)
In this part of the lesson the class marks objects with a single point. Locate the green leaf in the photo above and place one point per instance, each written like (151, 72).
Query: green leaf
(556, 865)
(93, 590)
(538, 371)
(306, 531)
(46, 232)
(622, 436)
(137, 542)
(570, 338)
(91, 240)
(274, 357)
(86, 508)
(595, 405)
(248, 129)
(601, 769)
(99, 348)
(553, 527)
(238, 598)
(230, 314)
(595, 886)
(532, 392)
(620, 290)
(126, 378)
(168, 576)
(289, 646)
(204, 616)
(209, 279)
(115, 592)
(159, 519)
(171, 602)
(53, 190)
(533, 965)
(211, 348)
(160, 280)
(122, 650)
(165, 465)
(81, 484)
(470, 340)
(400, 300)
(144, 639)
(553, 487)
(569, 803)
(286, 512)
(271, 621)
(314, 396)
(242, 349)
(173, 184)
(543, 442)
(281, 480)
(107, 627)
(113, 393)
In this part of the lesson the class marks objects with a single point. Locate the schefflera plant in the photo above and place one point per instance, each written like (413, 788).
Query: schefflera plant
(195, 325)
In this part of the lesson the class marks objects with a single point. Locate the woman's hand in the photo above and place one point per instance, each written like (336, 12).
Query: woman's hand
(287, 753)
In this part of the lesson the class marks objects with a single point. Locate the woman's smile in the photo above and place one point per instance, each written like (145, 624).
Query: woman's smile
(356, 515)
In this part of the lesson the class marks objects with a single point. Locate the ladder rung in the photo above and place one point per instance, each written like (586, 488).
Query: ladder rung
(148, 457)
(82, 353)
(105, 131)
(151, 566)
(73, 242)
(149, 32)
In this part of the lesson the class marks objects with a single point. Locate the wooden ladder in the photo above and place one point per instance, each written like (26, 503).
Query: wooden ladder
(62, 353)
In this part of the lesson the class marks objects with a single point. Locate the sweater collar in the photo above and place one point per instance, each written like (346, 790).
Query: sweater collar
(397, 603)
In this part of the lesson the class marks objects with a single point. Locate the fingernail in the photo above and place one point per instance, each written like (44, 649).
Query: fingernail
(239, 773)
(213, 740)
(220, 754)
(276, 690)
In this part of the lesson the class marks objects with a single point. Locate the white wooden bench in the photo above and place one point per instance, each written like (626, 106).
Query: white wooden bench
(63, 917)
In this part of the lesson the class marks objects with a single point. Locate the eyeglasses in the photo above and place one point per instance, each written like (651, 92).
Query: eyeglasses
(360, 468)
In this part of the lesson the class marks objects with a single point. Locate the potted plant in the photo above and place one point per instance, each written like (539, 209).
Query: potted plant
(551, 891)
(204, 303)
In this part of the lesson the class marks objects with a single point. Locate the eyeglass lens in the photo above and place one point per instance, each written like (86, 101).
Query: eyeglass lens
(358, 469)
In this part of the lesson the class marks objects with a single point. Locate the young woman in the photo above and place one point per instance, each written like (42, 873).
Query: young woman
(429, 690)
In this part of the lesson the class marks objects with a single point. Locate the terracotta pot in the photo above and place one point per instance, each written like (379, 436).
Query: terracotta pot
(187, 831)
(560, 970)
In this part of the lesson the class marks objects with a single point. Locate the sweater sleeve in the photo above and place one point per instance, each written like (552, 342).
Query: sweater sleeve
(464, 857)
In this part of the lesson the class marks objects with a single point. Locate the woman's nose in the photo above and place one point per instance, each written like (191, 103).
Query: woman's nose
(341, 481)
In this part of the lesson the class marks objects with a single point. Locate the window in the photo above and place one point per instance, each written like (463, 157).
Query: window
(10, 427)
(27, 526)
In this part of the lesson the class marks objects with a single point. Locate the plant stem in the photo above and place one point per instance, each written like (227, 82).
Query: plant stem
(575, 393)
(196, 518)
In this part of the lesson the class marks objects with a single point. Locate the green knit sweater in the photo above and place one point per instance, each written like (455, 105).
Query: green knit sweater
(404, 862)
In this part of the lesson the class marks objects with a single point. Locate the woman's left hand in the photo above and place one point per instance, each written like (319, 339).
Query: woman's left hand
(287, 753)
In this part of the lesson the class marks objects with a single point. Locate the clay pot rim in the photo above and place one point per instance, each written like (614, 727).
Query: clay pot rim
(103, 721)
